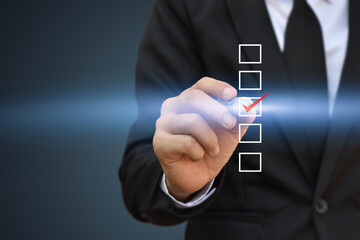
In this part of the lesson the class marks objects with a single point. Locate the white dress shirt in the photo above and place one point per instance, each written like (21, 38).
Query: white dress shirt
(333, 17)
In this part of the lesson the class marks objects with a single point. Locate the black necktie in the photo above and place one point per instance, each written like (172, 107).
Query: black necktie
(304, 53)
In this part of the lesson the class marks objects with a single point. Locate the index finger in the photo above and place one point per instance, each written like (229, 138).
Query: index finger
(215, 88)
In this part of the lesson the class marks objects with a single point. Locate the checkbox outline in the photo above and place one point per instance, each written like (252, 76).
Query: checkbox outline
(251, 45)
(251, 153)
(251, 124)
(248, 115)
(251, 71)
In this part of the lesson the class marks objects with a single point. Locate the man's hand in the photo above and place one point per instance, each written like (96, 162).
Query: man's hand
(196, 136)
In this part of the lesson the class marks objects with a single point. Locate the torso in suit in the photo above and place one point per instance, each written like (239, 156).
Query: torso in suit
(289, 199)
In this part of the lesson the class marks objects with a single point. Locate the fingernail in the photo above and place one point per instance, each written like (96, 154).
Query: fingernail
(215, 151)
(228, 92)
(229, 120)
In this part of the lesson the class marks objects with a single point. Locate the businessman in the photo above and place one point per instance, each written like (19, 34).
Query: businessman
(181, 162)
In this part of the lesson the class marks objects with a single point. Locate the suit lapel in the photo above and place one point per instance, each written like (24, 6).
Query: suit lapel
(253, 25)
(344, 111)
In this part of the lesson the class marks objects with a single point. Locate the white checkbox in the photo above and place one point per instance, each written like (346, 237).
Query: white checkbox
(243, 154)
(252, 72)
(250, 125)
(256, 111)
(243, 46)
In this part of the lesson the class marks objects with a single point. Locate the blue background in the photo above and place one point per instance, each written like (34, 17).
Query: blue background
(66, 105)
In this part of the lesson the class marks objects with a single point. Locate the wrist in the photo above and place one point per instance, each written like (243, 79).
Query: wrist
(178, 195)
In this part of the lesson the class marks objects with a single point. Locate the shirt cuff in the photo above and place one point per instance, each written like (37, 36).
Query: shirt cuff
(203, 194)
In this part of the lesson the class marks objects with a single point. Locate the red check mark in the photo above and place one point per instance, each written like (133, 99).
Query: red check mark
(247, 109)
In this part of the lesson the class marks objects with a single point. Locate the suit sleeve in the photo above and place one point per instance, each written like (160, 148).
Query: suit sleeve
(168, 63)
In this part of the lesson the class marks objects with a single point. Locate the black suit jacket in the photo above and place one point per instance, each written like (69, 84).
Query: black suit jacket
(186, 40)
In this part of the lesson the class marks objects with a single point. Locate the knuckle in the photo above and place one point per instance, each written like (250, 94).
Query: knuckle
(160, 122)
(166, 104)
(193, 120)
(193, 95)
(159, 146)
(156, 142)
(188, 143)
(197, 154)
(203, 80)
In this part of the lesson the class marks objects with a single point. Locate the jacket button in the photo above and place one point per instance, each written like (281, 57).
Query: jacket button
(321, 207)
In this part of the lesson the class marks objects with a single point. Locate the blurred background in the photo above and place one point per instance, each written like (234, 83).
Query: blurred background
(66, 105)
